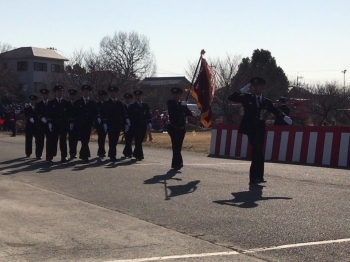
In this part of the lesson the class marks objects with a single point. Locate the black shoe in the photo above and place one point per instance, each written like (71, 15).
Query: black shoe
(113, 159)
(102, 156)
(64, 160)
(85, 160)
(73, 157)
(49, 159)
(27, 155)
(38, 157)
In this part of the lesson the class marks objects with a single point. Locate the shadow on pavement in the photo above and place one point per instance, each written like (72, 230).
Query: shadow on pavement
(179, 190)
(162, 178)
(248, 199)
(114, 164)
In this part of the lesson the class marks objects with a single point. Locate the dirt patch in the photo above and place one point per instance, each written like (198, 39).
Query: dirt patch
(194, 141)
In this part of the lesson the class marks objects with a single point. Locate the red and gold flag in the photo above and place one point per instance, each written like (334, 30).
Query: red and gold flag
(203, 91)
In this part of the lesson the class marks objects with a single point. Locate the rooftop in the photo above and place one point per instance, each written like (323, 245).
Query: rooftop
(31, 52)
(164, 81)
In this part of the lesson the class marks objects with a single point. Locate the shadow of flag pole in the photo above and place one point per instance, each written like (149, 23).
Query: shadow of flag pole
(195, 72)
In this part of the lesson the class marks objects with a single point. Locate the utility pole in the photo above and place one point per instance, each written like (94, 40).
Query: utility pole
(344, 71)
(298, 80)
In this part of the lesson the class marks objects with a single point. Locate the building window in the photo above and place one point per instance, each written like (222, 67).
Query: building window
(56, 68)
(40, 66)
(22, 66)
(38, 86)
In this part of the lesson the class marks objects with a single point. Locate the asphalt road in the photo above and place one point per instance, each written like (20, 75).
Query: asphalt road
(143, 211)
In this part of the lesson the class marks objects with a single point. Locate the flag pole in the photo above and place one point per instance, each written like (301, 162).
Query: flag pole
(195, 72)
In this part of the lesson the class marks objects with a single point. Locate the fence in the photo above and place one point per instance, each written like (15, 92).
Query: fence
(327, 146)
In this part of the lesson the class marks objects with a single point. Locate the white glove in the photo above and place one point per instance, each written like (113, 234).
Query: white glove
(105, 127)
(126, 128)
(44, 120)
(71, 126)
(150, 126)
(50, 127)
(287, 120)
(184, 103)
(99, 120)
(31, 120)
(128, 122)
(246, 88)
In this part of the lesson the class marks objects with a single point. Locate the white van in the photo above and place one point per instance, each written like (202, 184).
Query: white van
(194, 108)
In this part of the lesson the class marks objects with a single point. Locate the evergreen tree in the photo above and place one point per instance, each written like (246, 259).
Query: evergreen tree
(262, 64)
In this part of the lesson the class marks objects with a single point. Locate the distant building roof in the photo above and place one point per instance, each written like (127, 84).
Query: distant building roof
(165, 81)
(31, 52)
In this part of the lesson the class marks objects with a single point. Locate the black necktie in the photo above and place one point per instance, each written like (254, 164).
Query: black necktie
(259, 102)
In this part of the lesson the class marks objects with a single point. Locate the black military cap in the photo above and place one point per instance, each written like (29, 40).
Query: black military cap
(72, 91)
(102, 93)
(86, 87)
(176, 90)
(128, 96)
(58, 87)
(282, 99)
(113, 88)
(138, 92)
(257, 81)
(33, 97)
(44, 91)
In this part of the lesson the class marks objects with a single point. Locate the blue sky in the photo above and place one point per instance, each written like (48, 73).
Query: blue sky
(309, 38)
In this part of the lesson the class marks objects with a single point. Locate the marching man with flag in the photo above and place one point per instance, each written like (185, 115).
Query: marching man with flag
(202, 90)
(178, 111)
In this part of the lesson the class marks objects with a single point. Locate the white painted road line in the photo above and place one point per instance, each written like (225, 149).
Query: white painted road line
(229, 253)
(177, 257)
(199, 164)
(297, 245)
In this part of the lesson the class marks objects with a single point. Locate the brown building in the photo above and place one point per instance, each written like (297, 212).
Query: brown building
(157, 90)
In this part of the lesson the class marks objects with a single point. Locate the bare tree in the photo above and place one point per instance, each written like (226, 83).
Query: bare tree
(8, 88)
(127, 55)
(328, 101)
(4, 47)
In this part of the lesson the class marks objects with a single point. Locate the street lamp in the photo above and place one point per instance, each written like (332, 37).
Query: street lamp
(344, 71)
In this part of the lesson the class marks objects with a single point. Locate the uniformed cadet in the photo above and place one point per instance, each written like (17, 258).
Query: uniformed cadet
(42, 128)
(178, 111)
(113, 117)
(73, 134)
(253, 123)
(101, 133)
(58, 116)
(284, 108)
(31, 126)
(140, 117)
(85, 116)
(127, 152)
